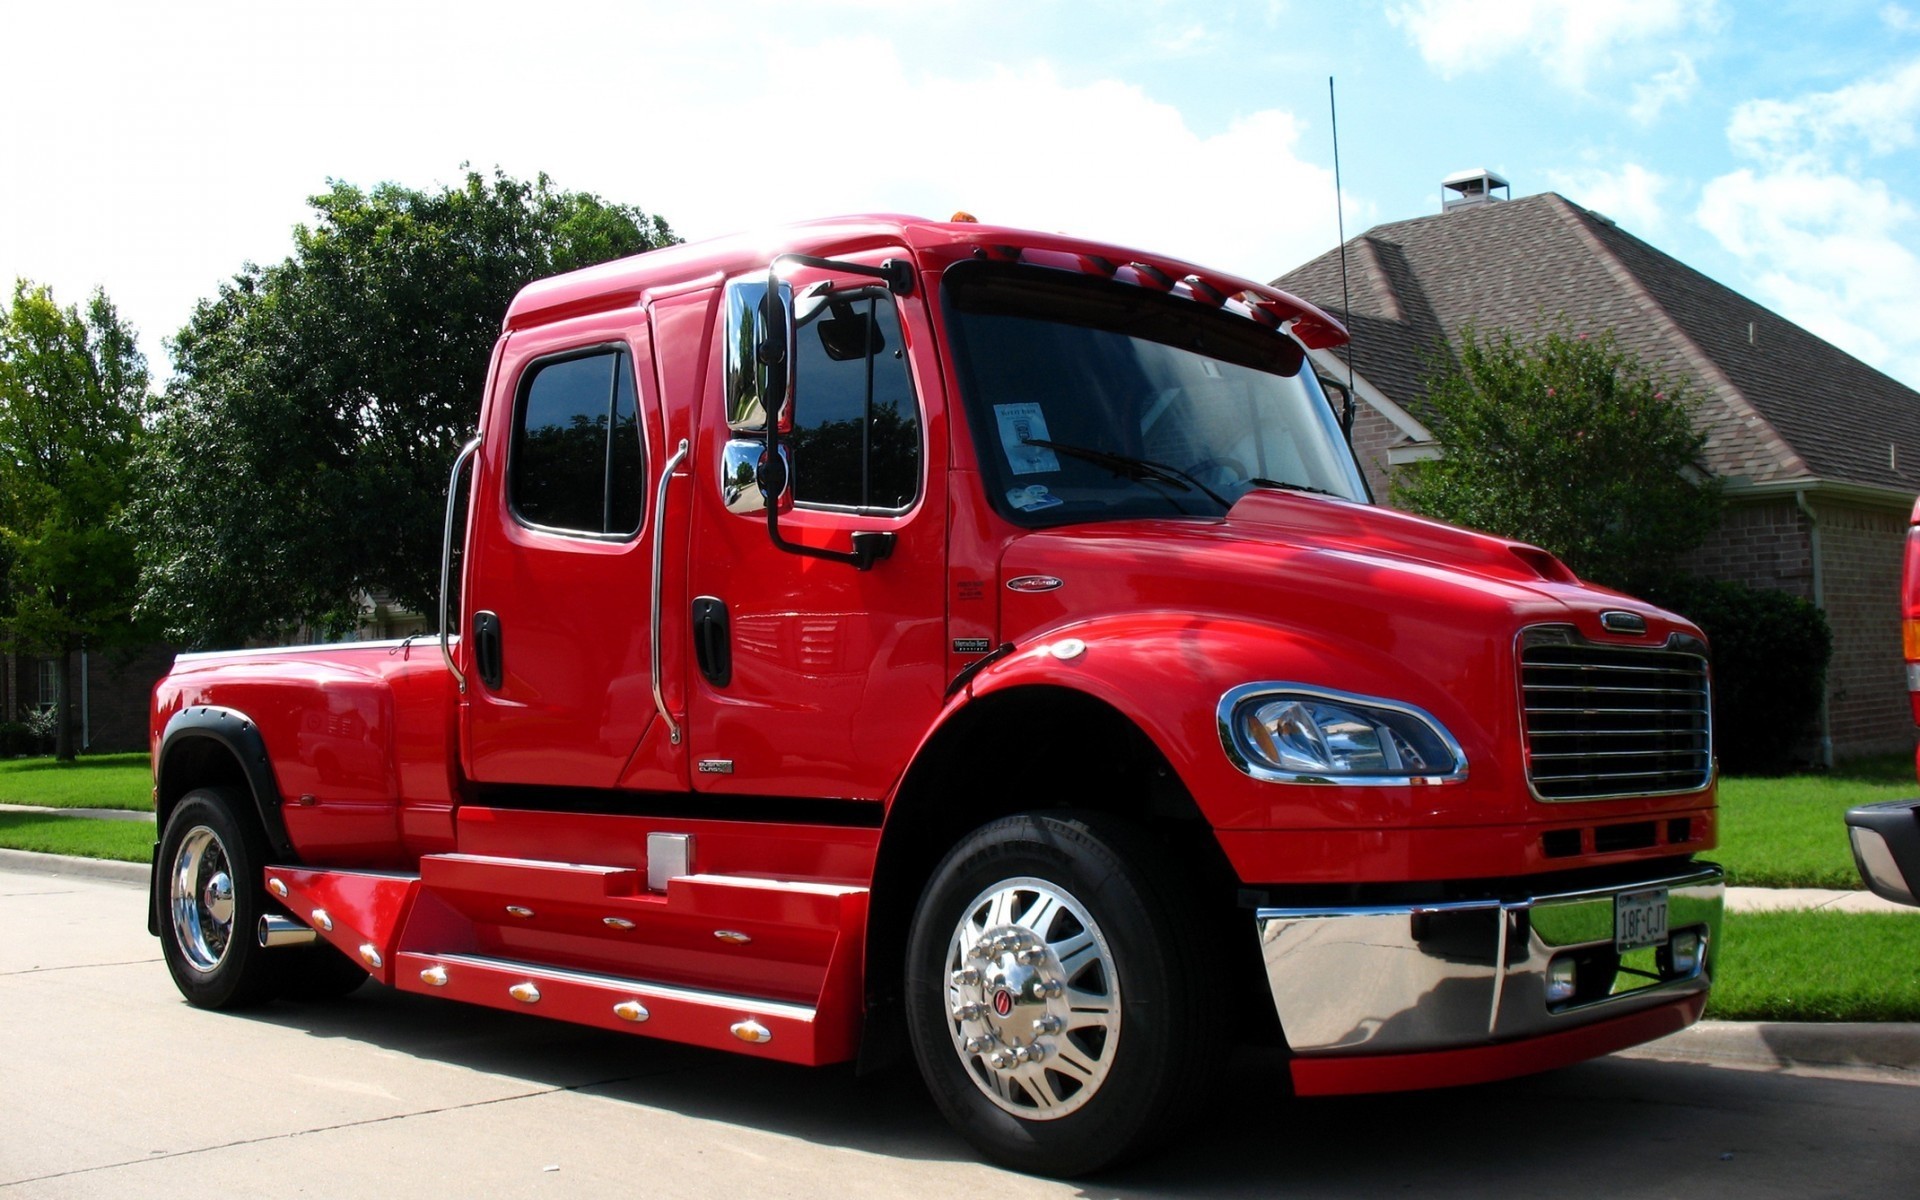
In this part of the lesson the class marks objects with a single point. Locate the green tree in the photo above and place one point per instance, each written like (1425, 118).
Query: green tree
(299, 456)
(1567, 442)
(73, 389)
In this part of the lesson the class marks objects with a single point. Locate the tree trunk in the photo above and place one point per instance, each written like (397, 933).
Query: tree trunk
(63, 708)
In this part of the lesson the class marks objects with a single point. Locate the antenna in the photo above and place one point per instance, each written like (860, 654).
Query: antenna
(1346, 300)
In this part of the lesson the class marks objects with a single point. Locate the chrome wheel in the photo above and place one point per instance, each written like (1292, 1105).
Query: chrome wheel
(201, 891)
(1033, 998)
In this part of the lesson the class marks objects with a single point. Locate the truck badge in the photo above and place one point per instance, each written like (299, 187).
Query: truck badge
(1033, 583)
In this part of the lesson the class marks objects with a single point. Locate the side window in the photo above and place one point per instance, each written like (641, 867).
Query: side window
(576, 463)
(856, 424)
(855, 440)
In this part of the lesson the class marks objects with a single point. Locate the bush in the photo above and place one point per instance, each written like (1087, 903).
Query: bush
(1567, 441)
(1770, 652)
(16, 740)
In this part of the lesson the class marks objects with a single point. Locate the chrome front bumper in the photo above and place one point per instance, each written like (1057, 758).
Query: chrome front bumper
(1400, 979)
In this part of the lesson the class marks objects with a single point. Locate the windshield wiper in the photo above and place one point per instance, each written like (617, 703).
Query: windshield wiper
(1128, 467)
(1291, 487)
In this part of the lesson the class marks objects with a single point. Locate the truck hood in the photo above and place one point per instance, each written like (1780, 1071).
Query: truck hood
(1366, 596)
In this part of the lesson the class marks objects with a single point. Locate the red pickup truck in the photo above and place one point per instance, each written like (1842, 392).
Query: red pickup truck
(886, 633)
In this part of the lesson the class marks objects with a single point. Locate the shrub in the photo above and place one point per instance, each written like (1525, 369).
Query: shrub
(1567, 441)
(16, 740)
(1770, 652)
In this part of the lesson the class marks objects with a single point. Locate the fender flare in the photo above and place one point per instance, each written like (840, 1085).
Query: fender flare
(240, 736)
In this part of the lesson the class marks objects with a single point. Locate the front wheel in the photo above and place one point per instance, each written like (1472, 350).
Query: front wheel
(1055, 993)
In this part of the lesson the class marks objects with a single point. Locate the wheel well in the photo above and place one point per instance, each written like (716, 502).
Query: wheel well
(197, 762)
(1024, 750)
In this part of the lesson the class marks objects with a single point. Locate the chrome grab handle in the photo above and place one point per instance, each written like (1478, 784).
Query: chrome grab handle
(659, 544)
(446, 557)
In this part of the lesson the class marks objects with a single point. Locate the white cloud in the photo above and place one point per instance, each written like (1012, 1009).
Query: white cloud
(158, 158)
(1675, 86)
(1827, 242)
(1571, 39)
(1830, 252)
(1881, 112)
(1629, 194)
(1899, 19)
(1019, 146)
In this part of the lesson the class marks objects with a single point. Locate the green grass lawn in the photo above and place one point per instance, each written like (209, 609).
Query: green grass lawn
(1818, 966)
(84, 837)
(1789, 831)
(92, 781)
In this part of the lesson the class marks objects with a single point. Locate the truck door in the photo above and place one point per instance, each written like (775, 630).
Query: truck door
(555, 629)
(813, 678)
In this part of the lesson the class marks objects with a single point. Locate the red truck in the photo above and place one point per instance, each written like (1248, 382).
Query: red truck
(887, 633)
(1886, 836)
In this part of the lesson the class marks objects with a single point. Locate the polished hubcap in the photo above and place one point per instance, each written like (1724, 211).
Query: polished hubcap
(201, 893)
(1033, 1000)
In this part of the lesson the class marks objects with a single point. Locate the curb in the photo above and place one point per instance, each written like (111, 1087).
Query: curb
(1881, 1046)
(64, 864)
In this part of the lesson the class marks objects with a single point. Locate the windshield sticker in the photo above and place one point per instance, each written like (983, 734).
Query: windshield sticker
(1018, 424)
(1031, 498)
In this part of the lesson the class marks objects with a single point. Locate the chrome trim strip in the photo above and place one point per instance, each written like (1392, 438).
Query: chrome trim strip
(446, 558)
(187, 656)
(634, 987)
(1246, 762)
(659, 544)
(1395, 979)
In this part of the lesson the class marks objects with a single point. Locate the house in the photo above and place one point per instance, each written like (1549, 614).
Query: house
(1818, 452)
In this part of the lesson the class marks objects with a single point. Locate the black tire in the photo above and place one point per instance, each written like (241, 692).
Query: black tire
(1058, 917)
(210, 900)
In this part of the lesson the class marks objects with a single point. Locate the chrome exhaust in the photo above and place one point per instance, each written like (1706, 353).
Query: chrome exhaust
(277, 931)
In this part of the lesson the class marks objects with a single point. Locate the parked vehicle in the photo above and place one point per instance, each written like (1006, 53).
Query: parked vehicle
(1886, 836)
(892, 634)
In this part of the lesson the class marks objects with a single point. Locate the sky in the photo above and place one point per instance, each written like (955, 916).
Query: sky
(154, 149)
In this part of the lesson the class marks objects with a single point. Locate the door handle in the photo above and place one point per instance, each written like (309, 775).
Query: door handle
(712, 642)
(487, 652)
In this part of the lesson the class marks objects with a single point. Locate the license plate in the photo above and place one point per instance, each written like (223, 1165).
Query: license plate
(1639, 919)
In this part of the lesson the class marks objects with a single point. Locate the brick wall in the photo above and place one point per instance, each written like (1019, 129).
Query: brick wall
(1860, 552)
(1762, 545)
(1770, 545)
(117, 691)
(1372, 434)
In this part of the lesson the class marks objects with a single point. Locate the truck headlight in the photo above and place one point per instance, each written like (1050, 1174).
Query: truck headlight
(1291, 733)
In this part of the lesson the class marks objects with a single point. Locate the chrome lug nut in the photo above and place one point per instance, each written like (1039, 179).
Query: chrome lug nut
(1046, 1025)
(1053, 989)
(978, 1045)
(968, 1012)
(999, 1060)
(1029, 956)
(966, 977)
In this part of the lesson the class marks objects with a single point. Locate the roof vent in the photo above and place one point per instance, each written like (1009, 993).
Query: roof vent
(1471, 187)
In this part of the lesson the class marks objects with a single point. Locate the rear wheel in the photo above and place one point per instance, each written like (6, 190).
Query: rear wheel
(1054, 994)
(211, 900)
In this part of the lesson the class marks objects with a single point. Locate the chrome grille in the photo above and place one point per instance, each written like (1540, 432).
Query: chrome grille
(1605, 721)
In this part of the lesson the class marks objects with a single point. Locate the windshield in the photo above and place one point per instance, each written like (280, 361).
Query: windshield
(1092, 400)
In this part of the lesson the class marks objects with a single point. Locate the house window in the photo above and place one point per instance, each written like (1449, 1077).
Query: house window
(49, 682)
(576, 463)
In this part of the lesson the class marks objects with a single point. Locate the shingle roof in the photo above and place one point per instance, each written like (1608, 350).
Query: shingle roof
(1778, 403)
